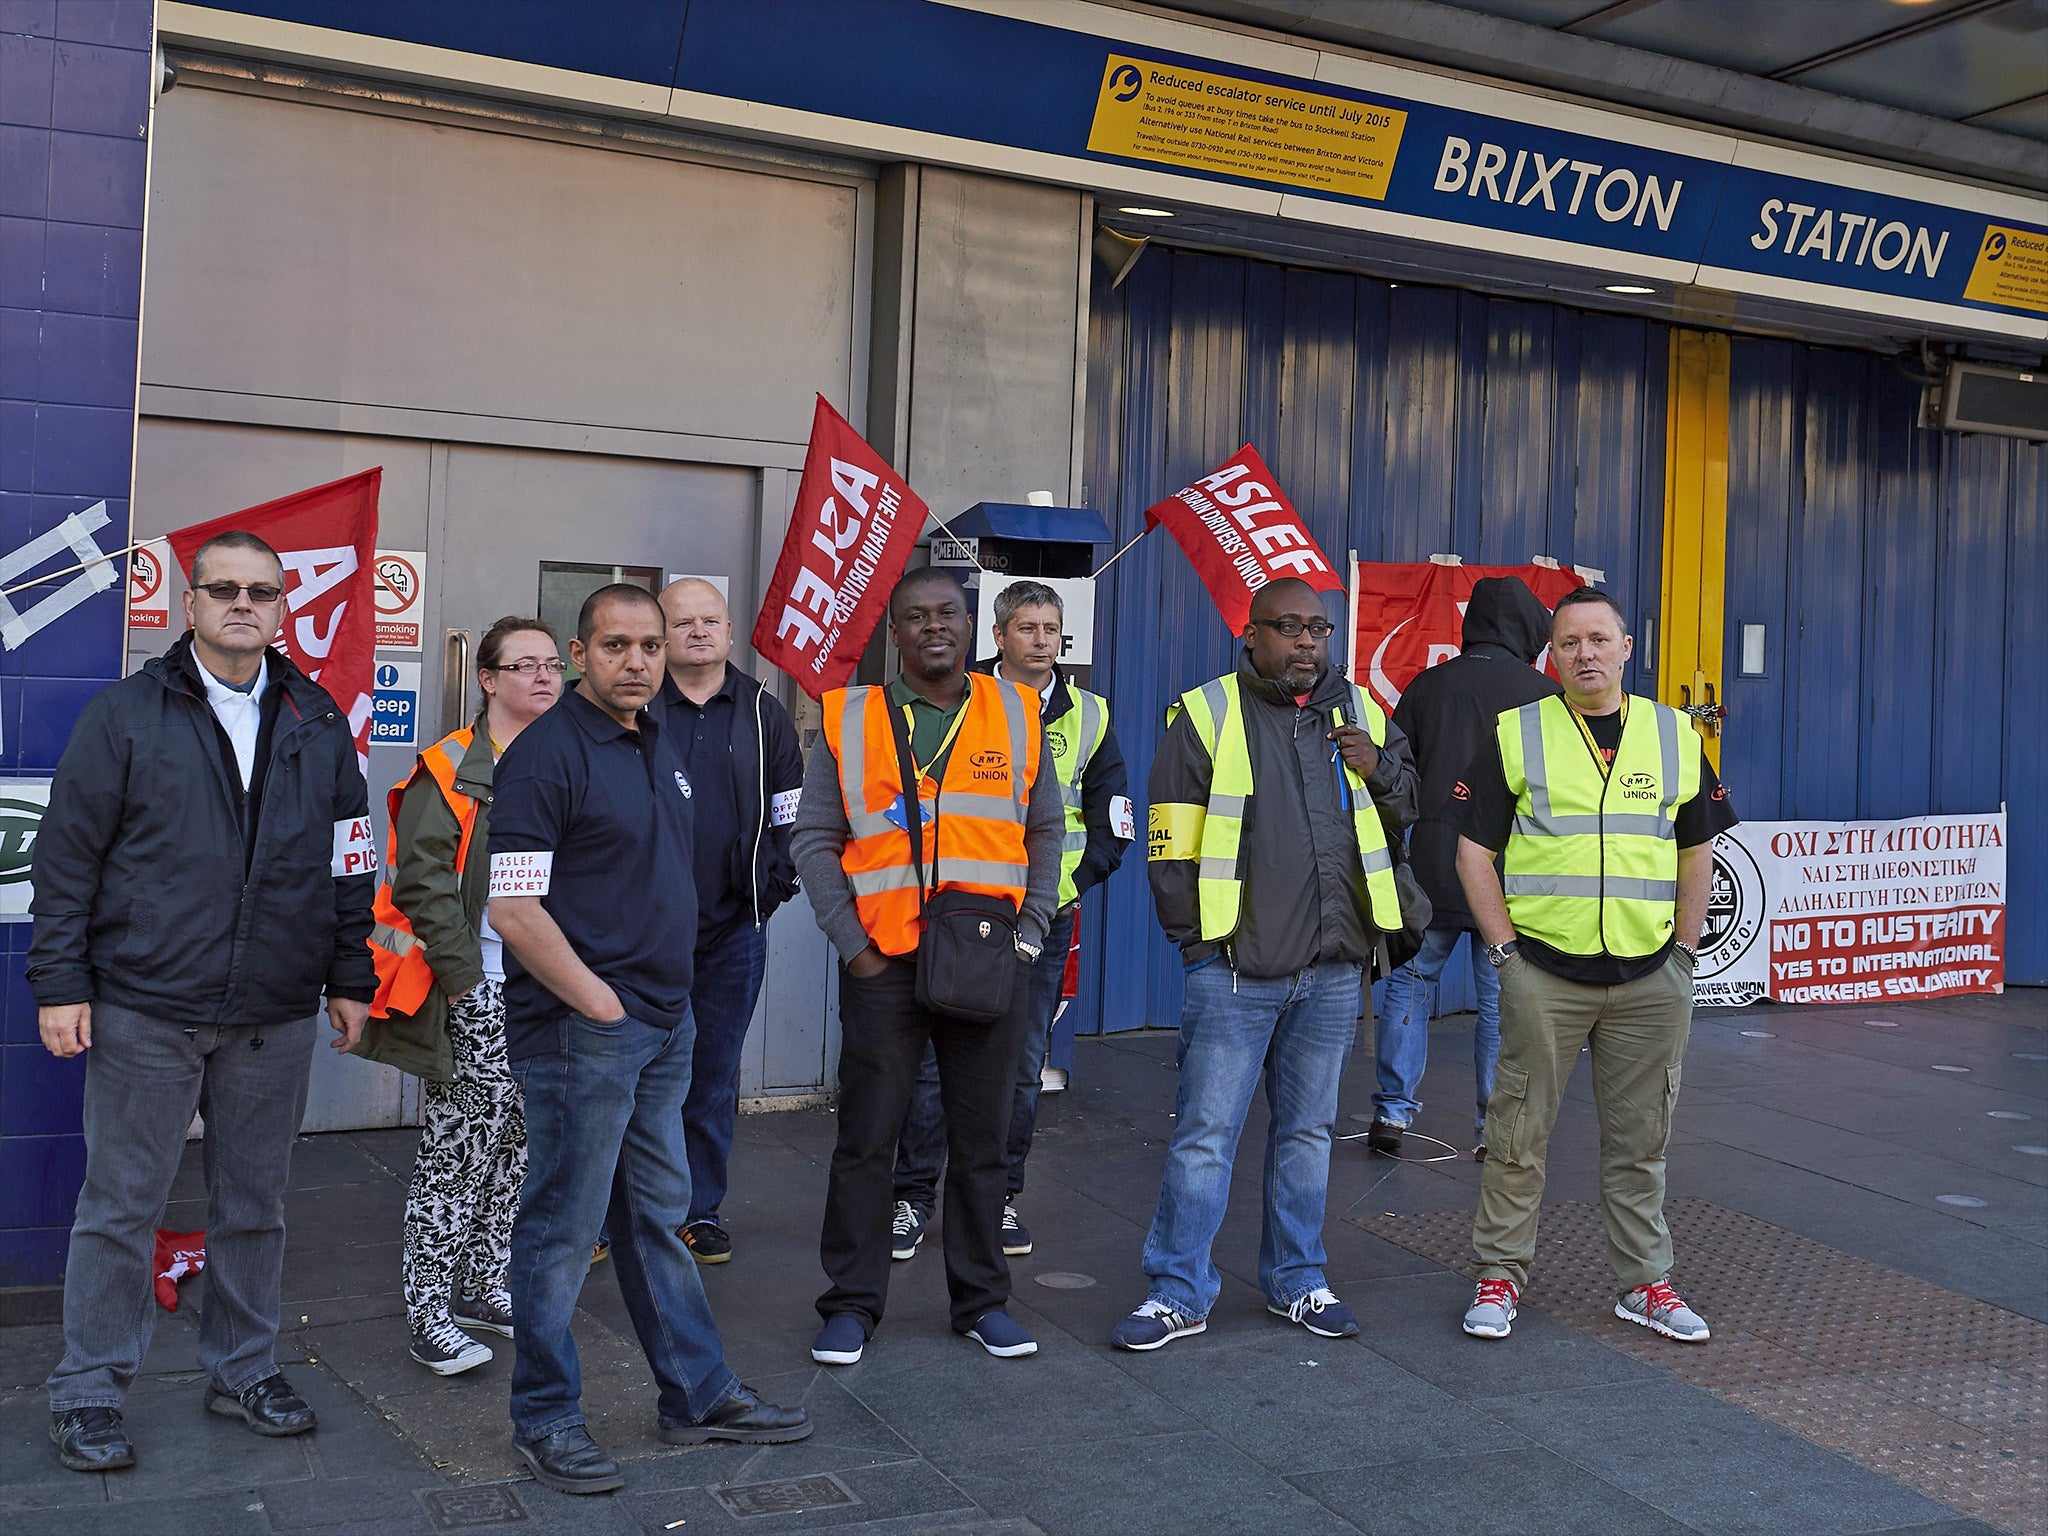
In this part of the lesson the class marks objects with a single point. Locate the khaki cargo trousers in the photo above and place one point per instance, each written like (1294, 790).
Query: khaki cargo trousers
(1637, 1033)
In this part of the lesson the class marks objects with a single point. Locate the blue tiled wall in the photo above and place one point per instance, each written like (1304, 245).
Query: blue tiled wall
(74, 108)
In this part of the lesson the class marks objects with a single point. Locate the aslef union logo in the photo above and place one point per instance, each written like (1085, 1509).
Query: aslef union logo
(1735, 908)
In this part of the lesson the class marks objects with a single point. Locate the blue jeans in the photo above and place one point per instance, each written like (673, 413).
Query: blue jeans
(604, 1128)
(1404, 1028)
(722, 998)
(921, 1147)
(1296, 1031)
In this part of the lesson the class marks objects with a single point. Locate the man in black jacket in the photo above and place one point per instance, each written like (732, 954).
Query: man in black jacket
(1278, 795)
(739, 749)
(1447, 714)
(204, 872)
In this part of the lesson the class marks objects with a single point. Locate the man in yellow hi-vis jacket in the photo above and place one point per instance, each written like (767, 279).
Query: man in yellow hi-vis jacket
(1602, 810)
(1277, 798)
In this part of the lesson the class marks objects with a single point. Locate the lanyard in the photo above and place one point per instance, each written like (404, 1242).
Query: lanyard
(910, 724)
(1599, 758)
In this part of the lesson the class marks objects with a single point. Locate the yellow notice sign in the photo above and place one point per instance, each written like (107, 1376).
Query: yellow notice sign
(1237, 127)
(2011, 269)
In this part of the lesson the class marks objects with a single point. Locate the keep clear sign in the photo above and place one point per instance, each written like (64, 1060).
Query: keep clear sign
(395, 705)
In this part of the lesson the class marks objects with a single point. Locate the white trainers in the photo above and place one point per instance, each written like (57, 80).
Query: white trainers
(906, 1231)
(1320, 1312)
(446, 1350)
(1658, 1308)
(1492, 1313)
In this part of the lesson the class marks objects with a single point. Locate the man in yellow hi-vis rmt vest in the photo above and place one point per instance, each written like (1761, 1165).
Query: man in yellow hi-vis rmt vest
(1277, 796)
(1029, 634)
(1602, 810)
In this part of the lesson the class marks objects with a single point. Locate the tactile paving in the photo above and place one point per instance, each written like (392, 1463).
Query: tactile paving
(1945, 1394)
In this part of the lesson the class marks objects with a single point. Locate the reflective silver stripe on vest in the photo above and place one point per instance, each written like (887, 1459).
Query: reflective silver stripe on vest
(1091, 728)
(1542, 822)
(873, 882)
(954, 802)
(398, 942)
(1373, 860)
(853, 767)
(954, 871)
(449, 754)
(1015, 719)
(1611, 888)
(1218, 699)
(1227, 805)
(1074, 842)
(1218, 869)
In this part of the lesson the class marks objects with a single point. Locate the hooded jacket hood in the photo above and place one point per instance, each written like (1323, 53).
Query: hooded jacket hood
(1504, 612)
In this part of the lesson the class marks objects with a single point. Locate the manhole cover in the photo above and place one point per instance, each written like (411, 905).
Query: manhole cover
(795, 1496)
(1063, 1280)
(469, 1509)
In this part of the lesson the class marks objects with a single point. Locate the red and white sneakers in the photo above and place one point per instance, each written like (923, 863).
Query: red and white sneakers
(1660, 1308)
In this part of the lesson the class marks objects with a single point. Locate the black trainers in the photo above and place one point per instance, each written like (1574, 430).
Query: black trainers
(708, 1242)
(1385, 1136)
(1016, 1236)
(906, 1231)
(91, 1440)
(446, 1350)
(270, 1407)
(492, 1313)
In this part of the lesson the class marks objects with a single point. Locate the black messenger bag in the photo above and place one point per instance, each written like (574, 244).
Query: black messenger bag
(967, 958)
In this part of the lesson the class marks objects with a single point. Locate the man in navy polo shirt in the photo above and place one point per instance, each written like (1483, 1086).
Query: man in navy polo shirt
(592, 891)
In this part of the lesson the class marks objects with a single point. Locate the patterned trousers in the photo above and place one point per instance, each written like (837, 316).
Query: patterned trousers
(472, 1159)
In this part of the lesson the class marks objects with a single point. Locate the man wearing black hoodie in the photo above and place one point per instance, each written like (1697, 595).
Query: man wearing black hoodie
(1447, 713)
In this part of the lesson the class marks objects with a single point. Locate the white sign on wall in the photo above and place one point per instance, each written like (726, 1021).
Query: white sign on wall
(1077, 628)
(149, 586)
(401, 598)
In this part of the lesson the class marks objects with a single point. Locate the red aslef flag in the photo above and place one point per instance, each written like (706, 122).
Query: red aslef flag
(855, 524)
(1239, 531)
(327, 539)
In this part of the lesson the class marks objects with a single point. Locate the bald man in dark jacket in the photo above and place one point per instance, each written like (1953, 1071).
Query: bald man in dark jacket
(1446, 714)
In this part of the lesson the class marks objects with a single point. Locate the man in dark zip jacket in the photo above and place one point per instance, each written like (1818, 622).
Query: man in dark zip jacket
(1277, 798)
(739, 749)
(203, 874)
(1448, 714)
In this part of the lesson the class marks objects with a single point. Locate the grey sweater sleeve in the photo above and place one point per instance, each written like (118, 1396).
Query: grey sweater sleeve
(816, 841)
(1045, 833)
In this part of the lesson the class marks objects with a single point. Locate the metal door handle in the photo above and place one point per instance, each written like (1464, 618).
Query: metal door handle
(455, 681)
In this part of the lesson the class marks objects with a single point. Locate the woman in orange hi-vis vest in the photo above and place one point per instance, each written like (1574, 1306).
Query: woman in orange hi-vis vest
(992, 824)
(440, 1009)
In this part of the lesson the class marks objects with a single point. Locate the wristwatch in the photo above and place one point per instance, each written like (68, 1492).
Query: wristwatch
(1691, 953)
(1498, 953)
(1027, 951)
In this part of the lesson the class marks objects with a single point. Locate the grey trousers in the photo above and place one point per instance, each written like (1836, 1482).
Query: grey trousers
(144, 1078)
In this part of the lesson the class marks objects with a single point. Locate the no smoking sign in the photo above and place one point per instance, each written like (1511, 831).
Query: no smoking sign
(401, 598)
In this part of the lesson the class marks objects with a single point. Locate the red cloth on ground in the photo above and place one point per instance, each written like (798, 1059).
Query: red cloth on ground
(178, 1254)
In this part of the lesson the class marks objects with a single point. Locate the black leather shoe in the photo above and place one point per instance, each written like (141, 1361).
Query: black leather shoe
(743, 1416)
(569, 1461)
(91, 1440)
(1385, 1136)
(270, 1407)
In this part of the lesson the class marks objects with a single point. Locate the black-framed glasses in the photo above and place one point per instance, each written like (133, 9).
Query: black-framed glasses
(228, 591)
(554, 668)
(1322, 629)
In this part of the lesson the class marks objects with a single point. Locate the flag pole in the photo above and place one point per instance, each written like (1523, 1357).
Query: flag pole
(1112, 560)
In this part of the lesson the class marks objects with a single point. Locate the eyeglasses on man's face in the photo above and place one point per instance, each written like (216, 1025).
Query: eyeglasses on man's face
(228, 591)
(554, 668)
(1322, 629)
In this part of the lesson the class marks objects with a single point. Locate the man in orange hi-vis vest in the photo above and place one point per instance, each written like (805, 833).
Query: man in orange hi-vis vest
(989, 811)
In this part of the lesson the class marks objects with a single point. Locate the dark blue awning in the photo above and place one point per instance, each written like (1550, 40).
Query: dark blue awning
(1018, 520)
